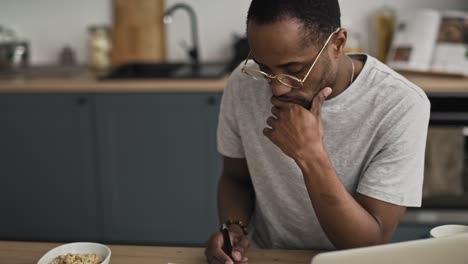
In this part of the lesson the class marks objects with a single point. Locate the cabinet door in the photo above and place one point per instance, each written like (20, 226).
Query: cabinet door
(159, 166)
(405, 232)
(47, 189)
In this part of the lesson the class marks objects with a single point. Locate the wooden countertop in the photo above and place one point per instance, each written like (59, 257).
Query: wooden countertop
(31, 252)
(439, 84)
(86, 82)
(80, 79)
(96, 86)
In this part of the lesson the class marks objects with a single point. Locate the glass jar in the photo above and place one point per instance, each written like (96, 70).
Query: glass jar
(99, 48)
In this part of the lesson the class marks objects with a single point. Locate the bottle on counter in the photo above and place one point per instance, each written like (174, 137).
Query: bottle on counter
(99, 48)
(67, 56)
(384, 21)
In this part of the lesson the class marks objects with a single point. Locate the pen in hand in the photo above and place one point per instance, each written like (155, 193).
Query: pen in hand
(227, 240)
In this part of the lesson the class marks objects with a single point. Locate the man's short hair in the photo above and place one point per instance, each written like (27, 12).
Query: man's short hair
(320, 17)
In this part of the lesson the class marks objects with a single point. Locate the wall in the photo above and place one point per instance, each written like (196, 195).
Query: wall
(50, 24)
(356, 14)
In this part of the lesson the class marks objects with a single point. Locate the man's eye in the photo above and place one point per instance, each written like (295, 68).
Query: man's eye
(265, 69)
(295, 71)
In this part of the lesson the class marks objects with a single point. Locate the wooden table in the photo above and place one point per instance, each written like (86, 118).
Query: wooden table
(31, 252)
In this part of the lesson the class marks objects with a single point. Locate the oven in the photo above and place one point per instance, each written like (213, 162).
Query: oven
(445, 195)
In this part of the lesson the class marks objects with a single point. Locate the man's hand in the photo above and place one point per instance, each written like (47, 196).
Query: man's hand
(295, 130)
(214, 250)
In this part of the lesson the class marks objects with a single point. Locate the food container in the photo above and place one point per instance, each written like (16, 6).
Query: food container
(77, 248)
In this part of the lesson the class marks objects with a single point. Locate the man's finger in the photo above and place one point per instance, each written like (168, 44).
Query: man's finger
(240, 249)
(319, 99)
(268, 132)
(278, 103)
(271, 122)
(275, 111)
(214, 252)
(219, 256)
(239, 253)
(244, 242)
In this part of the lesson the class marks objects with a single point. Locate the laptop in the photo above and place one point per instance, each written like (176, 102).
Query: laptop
(450, 250)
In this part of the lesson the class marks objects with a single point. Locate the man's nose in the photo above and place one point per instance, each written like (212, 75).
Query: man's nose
(279, 89)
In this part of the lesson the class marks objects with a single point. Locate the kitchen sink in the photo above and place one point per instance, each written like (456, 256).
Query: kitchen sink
(168, 71)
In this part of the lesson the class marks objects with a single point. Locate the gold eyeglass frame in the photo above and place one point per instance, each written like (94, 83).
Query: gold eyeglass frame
(280, 76)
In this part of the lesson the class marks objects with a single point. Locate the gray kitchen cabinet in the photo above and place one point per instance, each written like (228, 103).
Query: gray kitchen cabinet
(158, 167)
(48, 185)
(406, 232)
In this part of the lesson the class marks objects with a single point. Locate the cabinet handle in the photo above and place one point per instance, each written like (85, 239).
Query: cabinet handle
(81, 100)
(211, 100)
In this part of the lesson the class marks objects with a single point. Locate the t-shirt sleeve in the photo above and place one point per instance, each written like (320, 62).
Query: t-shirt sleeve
(228, 133)
(396, 173)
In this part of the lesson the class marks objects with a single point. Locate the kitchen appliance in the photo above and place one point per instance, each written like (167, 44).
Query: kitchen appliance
(139, 33)
(14, 55)
(446, 201)
(425, 251)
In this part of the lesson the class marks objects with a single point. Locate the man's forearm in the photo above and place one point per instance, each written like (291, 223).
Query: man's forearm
(346, 223)
(235, 200)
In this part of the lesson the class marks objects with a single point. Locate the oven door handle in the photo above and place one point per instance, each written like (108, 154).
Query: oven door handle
(449, 118)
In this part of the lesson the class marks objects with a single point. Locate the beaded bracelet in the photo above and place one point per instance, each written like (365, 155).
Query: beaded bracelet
(239, 223)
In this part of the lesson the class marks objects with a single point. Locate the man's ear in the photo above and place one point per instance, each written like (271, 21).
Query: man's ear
(340, 42)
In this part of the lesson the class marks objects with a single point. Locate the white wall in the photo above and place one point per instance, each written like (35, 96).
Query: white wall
(50, 24)
(357, 14)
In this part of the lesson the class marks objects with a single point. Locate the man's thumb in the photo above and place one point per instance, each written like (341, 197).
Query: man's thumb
(319, 99)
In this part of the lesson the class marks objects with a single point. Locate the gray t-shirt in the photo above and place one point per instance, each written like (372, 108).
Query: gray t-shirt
(375, 135)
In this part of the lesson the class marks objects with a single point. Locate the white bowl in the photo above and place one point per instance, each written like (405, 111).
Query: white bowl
(448, 230)
(77, 248)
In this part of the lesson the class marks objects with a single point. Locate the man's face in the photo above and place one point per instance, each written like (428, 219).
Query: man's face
(281, 47)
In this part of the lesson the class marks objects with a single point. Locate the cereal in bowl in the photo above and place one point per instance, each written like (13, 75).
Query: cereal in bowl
(77, 259)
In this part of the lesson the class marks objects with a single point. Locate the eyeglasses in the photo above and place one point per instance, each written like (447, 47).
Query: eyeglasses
(287, 80)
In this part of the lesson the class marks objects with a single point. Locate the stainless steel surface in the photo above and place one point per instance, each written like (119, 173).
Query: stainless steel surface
(168, 71)
(194, 52)
(446, 201)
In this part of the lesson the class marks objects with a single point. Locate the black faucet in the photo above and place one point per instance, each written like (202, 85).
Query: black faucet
(194, 51)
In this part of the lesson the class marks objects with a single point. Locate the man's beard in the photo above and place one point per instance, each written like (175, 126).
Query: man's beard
(304, 101)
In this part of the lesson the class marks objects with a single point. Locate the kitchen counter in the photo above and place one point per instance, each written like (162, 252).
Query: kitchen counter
(92, 85)
(77, 79)
(439, 84)
(83, 81)
(31, 252)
